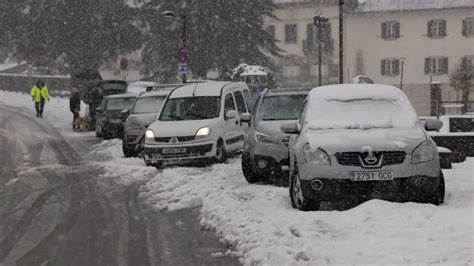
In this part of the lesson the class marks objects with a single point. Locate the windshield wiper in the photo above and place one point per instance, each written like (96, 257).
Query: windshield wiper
(174, 117)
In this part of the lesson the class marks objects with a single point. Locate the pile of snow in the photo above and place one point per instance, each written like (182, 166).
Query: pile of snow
(259, 223)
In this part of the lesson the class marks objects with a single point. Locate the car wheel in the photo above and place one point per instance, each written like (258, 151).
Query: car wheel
(438, 197)
(221, 155)
(127, 151)
(248, 169)
(298, 201)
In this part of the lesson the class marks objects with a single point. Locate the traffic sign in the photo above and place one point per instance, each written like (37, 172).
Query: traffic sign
(183, 68)
(182, 55)
(124, 63)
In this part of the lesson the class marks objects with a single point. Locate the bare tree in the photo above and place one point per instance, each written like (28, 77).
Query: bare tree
(462, 79)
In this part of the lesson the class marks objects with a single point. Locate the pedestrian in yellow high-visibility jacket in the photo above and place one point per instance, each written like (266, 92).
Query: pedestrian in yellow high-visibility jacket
(40, 95)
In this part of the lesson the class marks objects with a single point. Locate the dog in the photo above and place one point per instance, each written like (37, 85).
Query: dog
(82, 124)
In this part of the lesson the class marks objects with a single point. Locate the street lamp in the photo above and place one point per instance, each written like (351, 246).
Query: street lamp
(182, 54)
(402, 61)
(320, 22)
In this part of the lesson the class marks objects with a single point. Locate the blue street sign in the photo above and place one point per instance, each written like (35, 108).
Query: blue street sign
(183, 68)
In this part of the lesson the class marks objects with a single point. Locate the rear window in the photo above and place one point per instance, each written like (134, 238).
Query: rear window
(119, 103)
(461, 124)
(282, 107)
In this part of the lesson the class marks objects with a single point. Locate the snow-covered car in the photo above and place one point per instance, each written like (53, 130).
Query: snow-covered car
(109, 115)
(362, 141)
(456, 134)
(141, 86)
(199, 121)
(265, 153)
(145, 110)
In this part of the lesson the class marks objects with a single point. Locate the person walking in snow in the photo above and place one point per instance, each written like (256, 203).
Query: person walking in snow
(40, 95)
(74, 106)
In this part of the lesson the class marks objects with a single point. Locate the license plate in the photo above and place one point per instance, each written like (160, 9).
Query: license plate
(372, 176)
(173, 150)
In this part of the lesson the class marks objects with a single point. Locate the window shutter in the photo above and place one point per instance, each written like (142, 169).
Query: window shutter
(464, 27)
(442, 28)
(310, 36)
(427, 65)
(384, 30)
(444, 65)
(396, 29)
(396, 67)
(383, 67)
(430, 29)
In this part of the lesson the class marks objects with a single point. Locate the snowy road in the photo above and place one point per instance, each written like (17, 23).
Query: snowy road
(55, 210)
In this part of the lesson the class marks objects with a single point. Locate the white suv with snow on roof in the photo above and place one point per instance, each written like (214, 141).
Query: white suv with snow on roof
(364, 141)
(199, 121)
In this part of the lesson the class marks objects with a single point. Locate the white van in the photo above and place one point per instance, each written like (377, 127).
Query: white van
(199, 121)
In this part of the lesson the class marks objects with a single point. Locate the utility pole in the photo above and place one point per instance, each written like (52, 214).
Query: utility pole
(341, 41)
(320, 22)
(401, 73)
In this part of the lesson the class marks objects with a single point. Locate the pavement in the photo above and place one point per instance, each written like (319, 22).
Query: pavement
(54, 210)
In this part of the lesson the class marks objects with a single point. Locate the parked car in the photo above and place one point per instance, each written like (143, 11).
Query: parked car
(109, 117)
(141, 86)
(265, 153)
(145, 110)
(199, 121)
(456, 134)
(362, 141)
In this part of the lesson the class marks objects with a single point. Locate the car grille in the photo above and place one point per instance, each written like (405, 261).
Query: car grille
(286, 140)
(356, 158)
(180, 139)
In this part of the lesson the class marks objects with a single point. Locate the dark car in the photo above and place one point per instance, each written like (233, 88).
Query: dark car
(110, 116)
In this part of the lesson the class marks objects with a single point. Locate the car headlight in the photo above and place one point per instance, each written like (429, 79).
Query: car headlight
(318, 156)
(264, 138)
(423, 153)
(203, 132)
(149, 135)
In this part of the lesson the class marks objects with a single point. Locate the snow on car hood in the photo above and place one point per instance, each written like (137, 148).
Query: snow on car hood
(376, 139)
(271, 127)
(178, 128)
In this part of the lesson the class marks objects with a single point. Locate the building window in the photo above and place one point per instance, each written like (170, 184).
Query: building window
(437, 28)
(390, 67)
(291, 71)
(291, 33)
(468, 62)
(315, 70)
(436, 65)
(271, 30)
(468, 27)
(390, 30)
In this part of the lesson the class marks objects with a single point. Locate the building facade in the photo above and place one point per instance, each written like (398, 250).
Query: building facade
(411, 44)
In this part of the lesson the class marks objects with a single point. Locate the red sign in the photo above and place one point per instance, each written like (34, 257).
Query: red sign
(182, 55)
(124, 63)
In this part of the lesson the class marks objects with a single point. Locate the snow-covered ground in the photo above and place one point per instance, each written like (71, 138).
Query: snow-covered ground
(263, 229)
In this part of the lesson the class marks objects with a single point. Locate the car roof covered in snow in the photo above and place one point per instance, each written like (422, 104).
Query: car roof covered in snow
(289, 91)
(409, 5)
(212, 88)
(123, 95)
(155, 93)
(354, 92)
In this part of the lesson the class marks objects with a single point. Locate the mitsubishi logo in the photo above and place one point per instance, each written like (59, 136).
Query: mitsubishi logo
(174, 140)
(371, 158)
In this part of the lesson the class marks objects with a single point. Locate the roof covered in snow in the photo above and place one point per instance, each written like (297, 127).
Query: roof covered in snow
(405, 5)
(212, 88)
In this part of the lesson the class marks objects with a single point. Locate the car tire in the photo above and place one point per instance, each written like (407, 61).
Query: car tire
(298, 201)
(127, 151)
(248, 169)
(221, 155)
(438, 197)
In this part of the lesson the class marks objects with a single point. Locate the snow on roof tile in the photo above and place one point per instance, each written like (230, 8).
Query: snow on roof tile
(404, 5)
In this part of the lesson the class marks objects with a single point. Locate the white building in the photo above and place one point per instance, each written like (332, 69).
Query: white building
(428, 38)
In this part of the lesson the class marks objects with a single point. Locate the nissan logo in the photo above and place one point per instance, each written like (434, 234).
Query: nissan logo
(371, 158)
(174, 140)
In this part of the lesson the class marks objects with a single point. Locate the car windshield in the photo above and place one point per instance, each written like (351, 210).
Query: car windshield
(191, 108)
(149, 104)
(282, 107)
(119, 103)
(361, 114)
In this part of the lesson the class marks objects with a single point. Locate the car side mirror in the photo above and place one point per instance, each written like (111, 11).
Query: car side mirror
(246, 117)
(290, 128)
(433, 124)
(231, 114)
(125, 113)
(99, 110)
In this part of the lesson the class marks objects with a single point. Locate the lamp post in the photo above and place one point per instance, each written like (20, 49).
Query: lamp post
(320, 22)
(402, 61)
(341, 41)
(182, 53)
